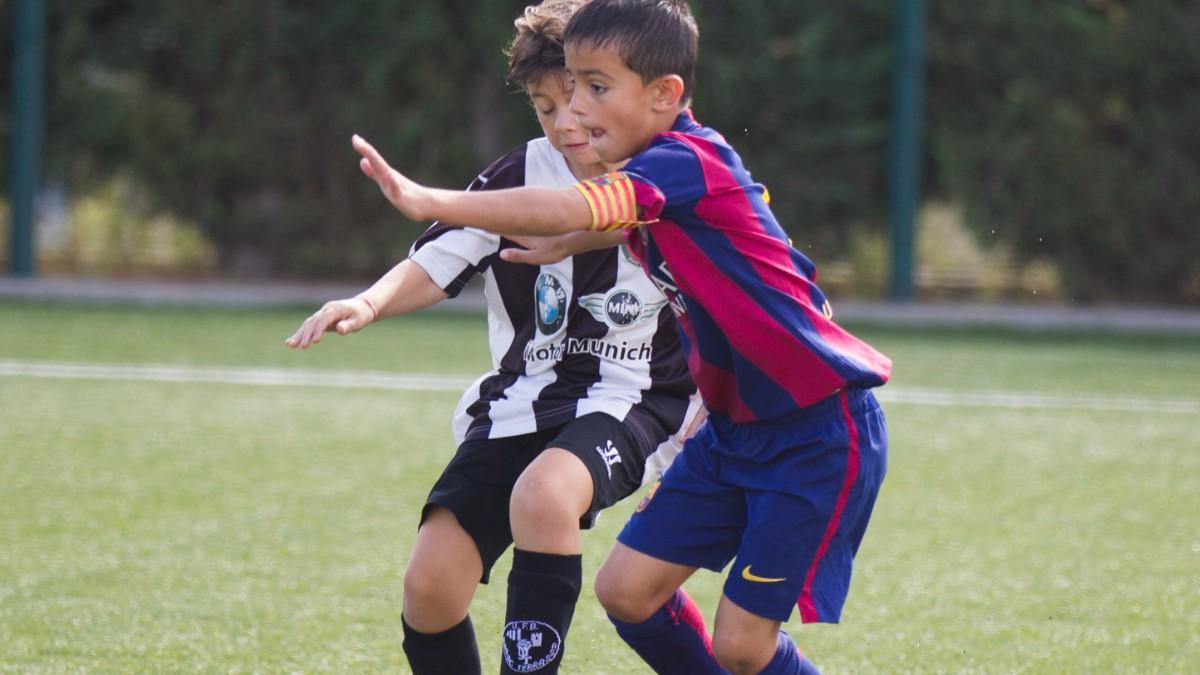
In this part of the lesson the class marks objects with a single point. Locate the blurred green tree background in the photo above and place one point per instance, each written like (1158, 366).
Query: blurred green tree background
(1065, 131)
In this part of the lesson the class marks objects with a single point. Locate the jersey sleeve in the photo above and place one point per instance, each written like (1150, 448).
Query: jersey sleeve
(665, 176)
(451, 254)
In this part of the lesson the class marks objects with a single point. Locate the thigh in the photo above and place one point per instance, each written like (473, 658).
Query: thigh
(781, 544)
(801, 538)
(612, 454)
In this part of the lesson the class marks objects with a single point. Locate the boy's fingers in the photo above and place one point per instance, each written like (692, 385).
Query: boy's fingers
(312, 331)
(378, 164)
(297, 338)
(516, 255)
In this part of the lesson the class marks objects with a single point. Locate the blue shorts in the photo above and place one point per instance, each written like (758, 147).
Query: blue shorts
(790, 500)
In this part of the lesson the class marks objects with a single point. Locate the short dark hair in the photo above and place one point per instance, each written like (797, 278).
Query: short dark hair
(536, 49)
(653, 37)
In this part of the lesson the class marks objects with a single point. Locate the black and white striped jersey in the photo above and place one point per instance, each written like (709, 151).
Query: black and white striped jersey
(588, 334)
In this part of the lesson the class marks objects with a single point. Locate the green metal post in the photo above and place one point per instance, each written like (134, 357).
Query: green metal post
(904, 163)
(29, 40)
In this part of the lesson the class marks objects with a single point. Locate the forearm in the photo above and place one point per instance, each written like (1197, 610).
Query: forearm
(407, 287)
(531, 210)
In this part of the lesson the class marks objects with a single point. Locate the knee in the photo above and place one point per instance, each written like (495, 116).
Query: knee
(739, 653)
(544, 501)
(423, 586)
(620, 599)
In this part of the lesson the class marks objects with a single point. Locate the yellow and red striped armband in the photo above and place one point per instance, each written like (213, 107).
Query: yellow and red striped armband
(612, 200)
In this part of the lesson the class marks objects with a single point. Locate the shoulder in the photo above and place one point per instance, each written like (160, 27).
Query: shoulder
(669, 156)
(673, 164)
(506, 172)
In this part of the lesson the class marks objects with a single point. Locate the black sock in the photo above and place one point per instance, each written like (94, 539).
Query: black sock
(542, 591)
(451, 652)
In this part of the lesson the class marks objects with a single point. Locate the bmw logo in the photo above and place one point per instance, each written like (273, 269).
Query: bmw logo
(551, 300)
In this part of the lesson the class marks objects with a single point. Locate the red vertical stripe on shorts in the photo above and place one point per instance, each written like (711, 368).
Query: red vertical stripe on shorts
(808, 609)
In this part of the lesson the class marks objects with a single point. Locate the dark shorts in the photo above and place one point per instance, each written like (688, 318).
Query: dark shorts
(477, 484)
(790, 501)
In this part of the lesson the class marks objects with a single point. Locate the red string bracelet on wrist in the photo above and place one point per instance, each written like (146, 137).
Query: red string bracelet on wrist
(374, 312)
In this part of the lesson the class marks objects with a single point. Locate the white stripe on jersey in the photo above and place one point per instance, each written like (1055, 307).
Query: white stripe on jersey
(500, 329)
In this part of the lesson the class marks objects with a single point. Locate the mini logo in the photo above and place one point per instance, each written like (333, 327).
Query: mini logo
(749, 576)
(551, 300)
(649, 495)
(530, 645)
(620, 308)
(610, 455)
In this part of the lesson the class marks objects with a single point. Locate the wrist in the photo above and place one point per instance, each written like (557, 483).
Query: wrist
(424, 203)
(370, 306)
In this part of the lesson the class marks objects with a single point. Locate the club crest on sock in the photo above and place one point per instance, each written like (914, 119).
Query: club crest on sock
(530, 645)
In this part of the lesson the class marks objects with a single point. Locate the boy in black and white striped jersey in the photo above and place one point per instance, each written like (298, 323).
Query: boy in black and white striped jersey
(588, 388)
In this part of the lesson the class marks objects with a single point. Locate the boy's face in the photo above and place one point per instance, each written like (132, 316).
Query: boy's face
(613, 104)
(551, 98)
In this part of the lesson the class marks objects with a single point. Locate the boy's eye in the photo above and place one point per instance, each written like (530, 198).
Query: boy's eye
(598, 88)
(545, 112)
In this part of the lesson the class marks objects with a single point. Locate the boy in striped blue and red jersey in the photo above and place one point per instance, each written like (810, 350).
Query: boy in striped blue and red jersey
(784, 475)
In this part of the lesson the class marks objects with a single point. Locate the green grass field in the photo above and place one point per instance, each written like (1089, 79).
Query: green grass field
(1041, 512)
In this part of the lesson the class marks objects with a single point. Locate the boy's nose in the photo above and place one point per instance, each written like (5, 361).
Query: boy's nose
(574, 105)
(566, 121)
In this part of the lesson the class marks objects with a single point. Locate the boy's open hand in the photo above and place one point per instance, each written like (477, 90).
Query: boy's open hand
(344, 316)
(402, 192)
(549, 250)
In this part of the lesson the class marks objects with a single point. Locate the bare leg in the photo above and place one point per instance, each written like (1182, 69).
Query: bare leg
(442, 574)
(632, 585)
(547, 571)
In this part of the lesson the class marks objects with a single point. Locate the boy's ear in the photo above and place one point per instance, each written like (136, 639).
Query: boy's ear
(667, 93)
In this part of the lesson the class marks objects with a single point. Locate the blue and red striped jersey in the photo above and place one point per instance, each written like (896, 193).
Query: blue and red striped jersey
(758, 333)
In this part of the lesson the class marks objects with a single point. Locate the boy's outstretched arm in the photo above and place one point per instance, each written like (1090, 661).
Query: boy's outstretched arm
(405, 288)
(527, 210)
